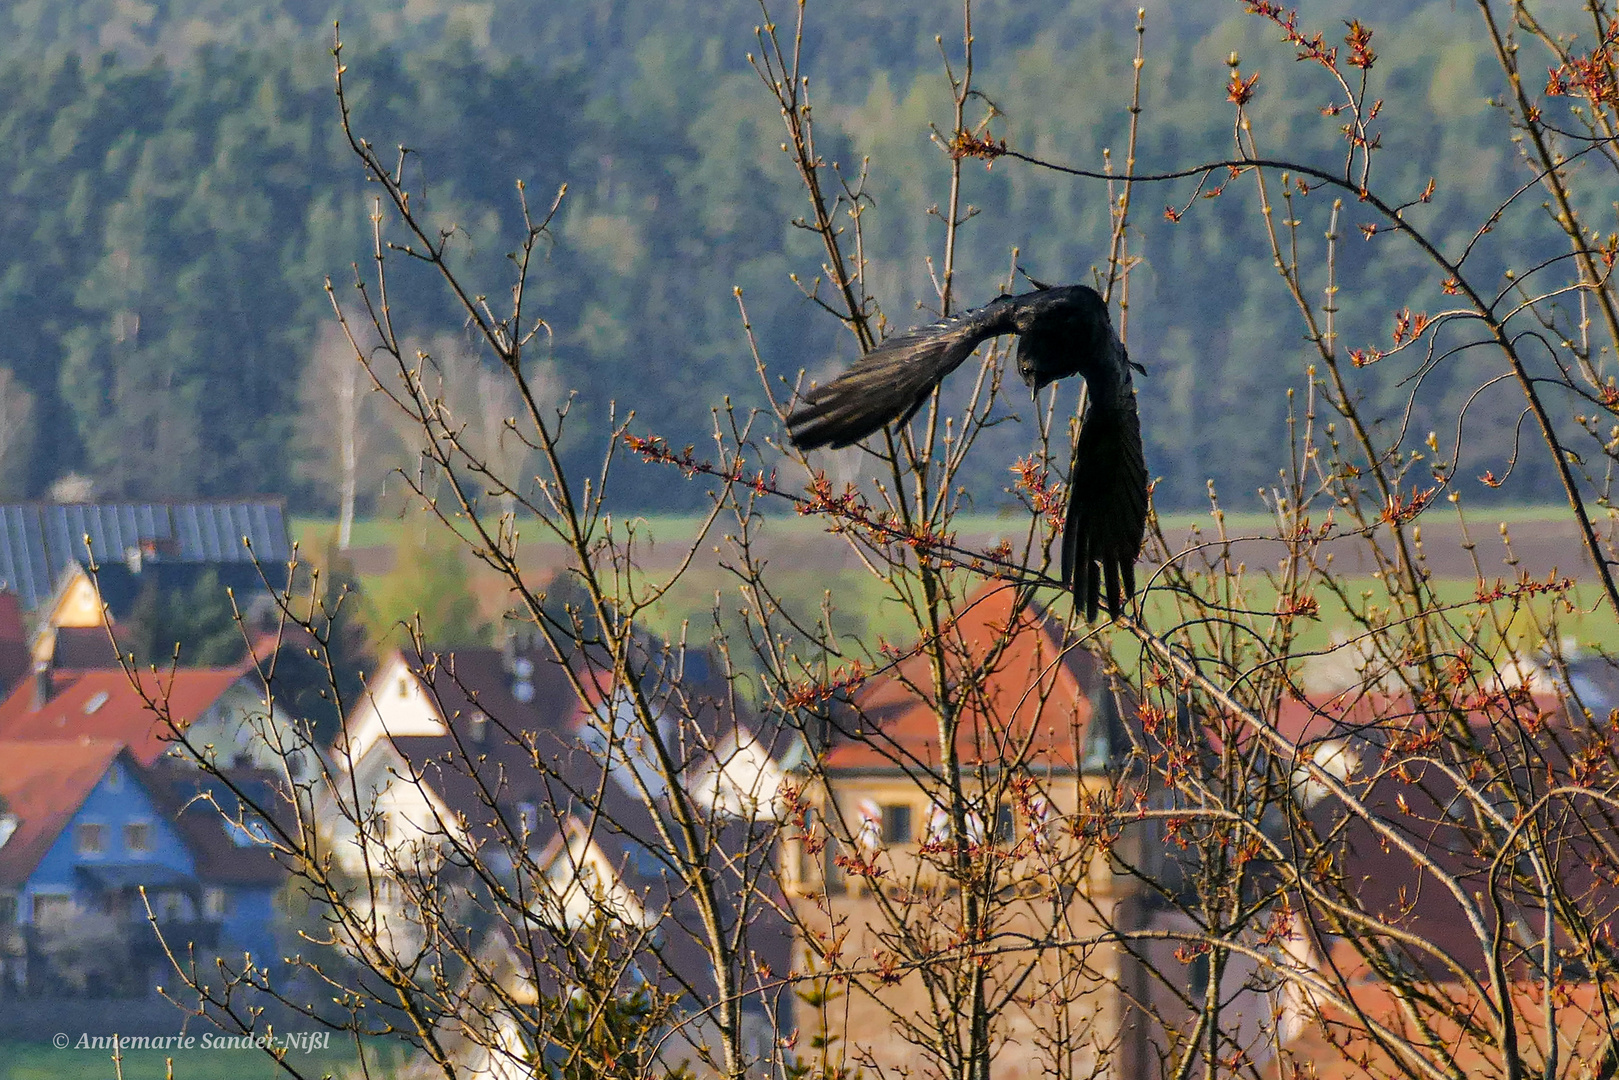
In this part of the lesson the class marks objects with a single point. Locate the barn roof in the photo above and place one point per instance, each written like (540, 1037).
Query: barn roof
(39, 541)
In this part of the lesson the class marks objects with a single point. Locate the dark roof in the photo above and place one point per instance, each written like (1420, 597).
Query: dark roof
(15, 660)
(82, 648)
(507, 763)
(38, 541)
(198, 803)
(1337, 1044)
(115, 877)
(1534, 740)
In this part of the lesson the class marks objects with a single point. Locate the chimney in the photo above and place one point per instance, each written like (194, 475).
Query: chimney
(42, 683)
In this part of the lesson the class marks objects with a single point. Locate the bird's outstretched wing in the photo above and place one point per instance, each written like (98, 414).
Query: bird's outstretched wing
(1107, 508)
(893, 380)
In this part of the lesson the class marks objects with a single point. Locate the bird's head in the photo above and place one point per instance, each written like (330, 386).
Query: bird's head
(1033, 377)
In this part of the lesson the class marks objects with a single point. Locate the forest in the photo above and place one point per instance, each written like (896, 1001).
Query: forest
(176, 191)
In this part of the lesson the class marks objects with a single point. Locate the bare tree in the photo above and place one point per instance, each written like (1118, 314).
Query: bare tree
(1158, 847)
(348, 445)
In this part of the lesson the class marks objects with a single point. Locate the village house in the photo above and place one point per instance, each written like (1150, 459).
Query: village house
(92, 844)
(1399, 992)
(1042, 732)
(151, 818)
(494, 751)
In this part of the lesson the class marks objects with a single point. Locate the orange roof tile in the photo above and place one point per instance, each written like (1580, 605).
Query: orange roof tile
(1032, 704)
(44, 784)
(1337, 1045)
(77, 709)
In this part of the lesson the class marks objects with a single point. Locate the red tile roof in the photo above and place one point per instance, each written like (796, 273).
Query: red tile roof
(1032, 705)
(44, 784)
(76, 708)
(1337, 1045)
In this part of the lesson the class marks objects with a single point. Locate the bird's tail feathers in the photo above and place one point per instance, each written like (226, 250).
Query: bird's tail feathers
(1107, 511)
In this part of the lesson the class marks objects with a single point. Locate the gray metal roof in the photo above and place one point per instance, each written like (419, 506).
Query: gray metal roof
(38, 541)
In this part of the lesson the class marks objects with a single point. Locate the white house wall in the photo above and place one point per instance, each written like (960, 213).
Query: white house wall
(741, 779)
(395, 704)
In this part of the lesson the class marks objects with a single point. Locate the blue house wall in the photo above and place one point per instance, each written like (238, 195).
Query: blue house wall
(249, 923)
(117, 800)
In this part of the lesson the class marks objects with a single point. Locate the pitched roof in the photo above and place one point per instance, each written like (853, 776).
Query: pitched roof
(103, 704)
(1033, 704)
(1409, 794)
(1337, 1045)
(38, 541)
(514, 754)
(199, 804)
(44, 784)
(504, 708)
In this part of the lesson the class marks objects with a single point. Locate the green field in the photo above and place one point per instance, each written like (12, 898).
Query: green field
(42, 1061)
(866, 609)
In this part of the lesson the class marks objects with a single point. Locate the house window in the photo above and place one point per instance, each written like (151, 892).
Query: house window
(52, 909)
(115, 778)
(8, 909)
(90, 839)
(480, 726)
(1005, 825)
(138, 838)
(897, 824)
(831, 871)
(171, 906)
(216, 904)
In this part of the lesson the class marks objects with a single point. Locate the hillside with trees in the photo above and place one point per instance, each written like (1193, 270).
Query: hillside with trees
(176, 191)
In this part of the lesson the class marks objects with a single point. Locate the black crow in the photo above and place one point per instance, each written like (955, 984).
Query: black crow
(1062, 330)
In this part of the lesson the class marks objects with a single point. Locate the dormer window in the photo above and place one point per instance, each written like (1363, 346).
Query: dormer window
(97, 700)
(479, 729)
